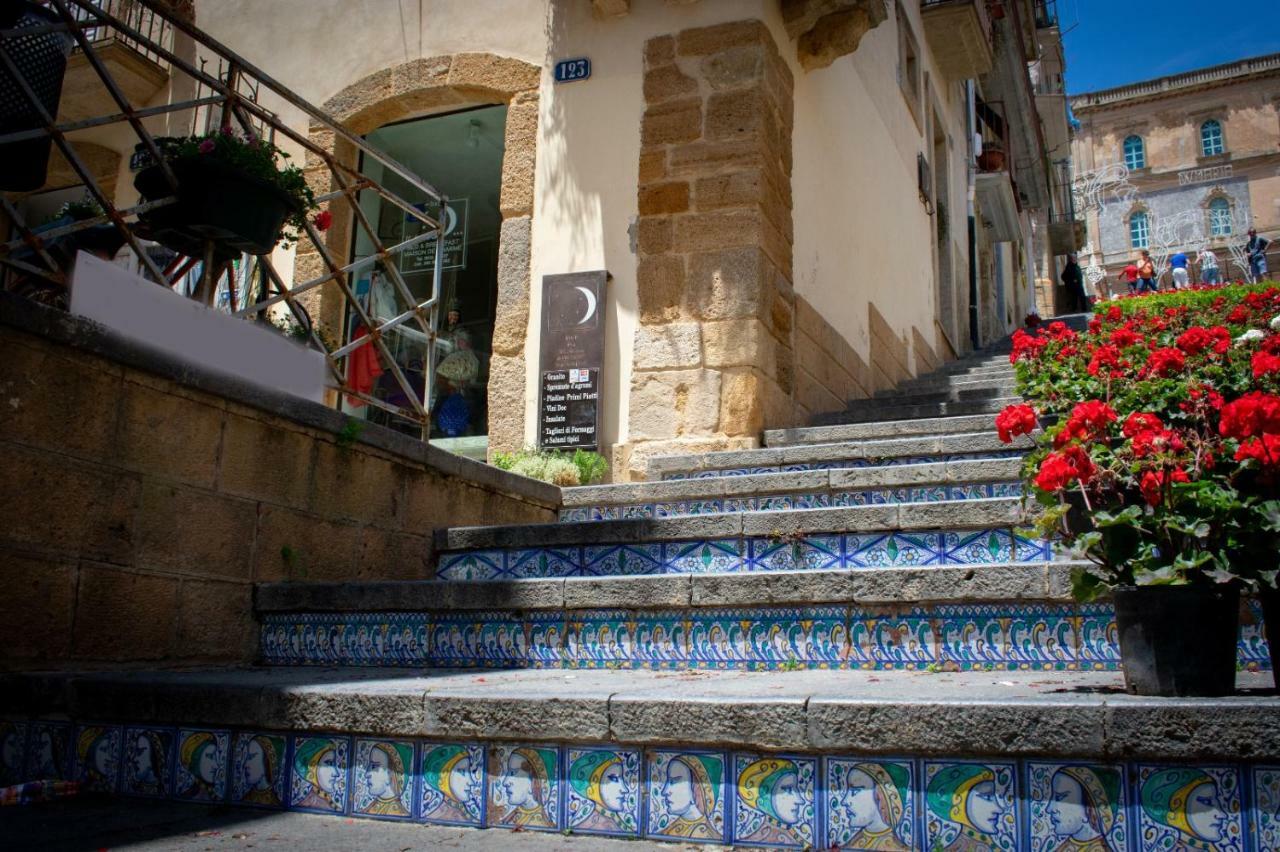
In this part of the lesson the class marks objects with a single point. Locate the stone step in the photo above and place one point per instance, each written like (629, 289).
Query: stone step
(776, 757)
(879, 410)
(806, 489)
(981, 391)
(879, 429)
(935, 384)
(913, 449)
(939, 533)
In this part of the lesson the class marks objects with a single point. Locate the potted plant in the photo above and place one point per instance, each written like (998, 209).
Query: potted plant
(41, 59)
(235, 193)
(1163, 470)
(992, 157)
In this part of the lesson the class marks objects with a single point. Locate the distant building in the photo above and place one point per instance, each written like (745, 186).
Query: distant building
(1181, 162)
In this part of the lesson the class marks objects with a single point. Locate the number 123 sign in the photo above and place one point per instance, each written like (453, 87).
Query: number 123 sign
(573, 69)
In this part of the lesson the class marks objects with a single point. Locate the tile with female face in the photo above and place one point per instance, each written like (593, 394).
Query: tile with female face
(259, 769)
(524, 787)
(13, 751)
(602, 792)
(148, 761)
(970, 806)
(1077, 806)
(1189, 807)
(318, 774)
(775, 801)
(48, 755)
(96, 757)
(382, 779)
(686, 793)
(1266, 807)
(200, 766)
(870, 804)
(452, 779)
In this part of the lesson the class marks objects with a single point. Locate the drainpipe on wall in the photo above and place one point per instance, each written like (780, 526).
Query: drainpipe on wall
(975, 338)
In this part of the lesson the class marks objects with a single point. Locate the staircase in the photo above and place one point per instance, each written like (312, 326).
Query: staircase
(843, 639)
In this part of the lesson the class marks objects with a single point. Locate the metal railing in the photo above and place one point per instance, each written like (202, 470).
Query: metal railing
(230, 93)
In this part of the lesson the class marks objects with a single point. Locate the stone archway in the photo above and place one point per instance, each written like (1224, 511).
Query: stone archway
(438, 84)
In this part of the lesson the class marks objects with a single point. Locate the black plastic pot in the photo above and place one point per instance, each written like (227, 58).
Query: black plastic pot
(42, 61)
(1178, 640)
(217, 204)
(1270, 599)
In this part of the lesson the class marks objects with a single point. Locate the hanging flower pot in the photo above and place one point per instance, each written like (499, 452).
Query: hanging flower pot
(991, 159)
(41, 60)
(1178, 640)
(230, 193)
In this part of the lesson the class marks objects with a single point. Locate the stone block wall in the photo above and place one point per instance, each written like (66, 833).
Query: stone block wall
(143, 498)
(713, 359)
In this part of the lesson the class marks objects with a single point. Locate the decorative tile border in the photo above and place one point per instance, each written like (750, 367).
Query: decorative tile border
(1009, 637)
(729, 556)
(779, 502)
(843, 464)
(750, 799)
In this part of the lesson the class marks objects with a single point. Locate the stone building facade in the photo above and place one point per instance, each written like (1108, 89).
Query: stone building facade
(786, 194)
(1180, 163)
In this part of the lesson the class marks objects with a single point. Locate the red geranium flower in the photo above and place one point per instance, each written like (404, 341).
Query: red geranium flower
(1253, 414)
(1104, 357)
(1166, 362)
(1060, 469)
(1265, 450)
(1140, 421)
(1194, 340)
(1124, 337)
(323, 220)
(1015, 420)
(1265, 364)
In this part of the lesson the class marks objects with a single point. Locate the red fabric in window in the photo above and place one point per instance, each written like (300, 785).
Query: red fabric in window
(363, 367)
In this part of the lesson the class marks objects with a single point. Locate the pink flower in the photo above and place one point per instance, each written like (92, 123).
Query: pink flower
(206, 147)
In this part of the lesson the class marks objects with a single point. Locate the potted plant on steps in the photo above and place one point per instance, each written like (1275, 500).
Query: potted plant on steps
(234, 194)
(1163, 471)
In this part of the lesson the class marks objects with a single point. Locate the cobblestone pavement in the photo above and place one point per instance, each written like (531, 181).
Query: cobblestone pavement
(89, 825)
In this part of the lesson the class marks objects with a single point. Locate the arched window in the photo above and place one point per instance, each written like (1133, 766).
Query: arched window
(1139, 230)
(1135, 154)
(1220, 217)
(1211, 138)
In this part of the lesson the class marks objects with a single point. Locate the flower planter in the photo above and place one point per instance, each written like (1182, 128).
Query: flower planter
(42, 60)
(217, 204)
(1270, 599)
(991, 160)
(1178, 640)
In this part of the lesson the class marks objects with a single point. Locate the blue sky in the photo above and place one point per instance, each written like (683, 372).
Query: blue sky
(1175, 36)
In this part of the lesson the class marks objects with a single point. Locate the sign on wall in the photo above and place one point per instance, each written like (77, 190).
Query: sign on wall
(422, 257)
(573, 69)
(570, 360)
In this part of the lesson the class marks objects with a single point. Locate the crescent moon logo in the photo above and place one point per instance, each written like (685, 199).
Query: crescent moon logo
(591, 303)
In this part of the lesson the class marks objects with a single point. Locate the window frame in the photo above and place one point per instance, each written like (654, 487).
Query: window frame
(1145, 219)
(1204, 138)
(910, 66)
(1222, 206)
(1141, 149)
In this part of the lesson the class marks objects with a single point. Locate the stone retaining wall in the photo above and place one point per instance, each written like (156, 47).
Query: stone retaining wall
(144, 497)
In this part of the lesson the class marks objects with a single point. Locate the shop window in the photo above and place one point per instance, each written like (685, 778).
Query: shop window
(1139, 230)
(1211, 138)
(1220, 217)
(1135, 153)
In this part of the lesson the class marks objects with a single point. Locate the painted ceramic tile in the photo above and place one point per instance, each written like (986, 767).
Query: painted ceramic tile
(200, 771)
(601, 639)
(776, 803)
(929, 494)
(543, 562)
(626, 513)
(281, 640)
(603, 793)
(382, 779)
(576, 514)
(809, 553)
(682, 508)
(970, 806)
(524, 790)
(1099, 638)
(1253, 651)
(13, 752)
(977, 547)
(767, 638)
(472, 565)
(546, 639)
(686, 795)
(1266, 807)
(1184, 807)
(1075, 806)
(703, 557)
(624, 560)
(892, 642)
(48, 754)
(661, 639)
(893, 550)
(148, 760)
(1043, 638)
(871, 804)
(259, 770)
(318, 774)
(452, 784)
(1031, 549)
(478, 639)
(97, 757)
(970, 636)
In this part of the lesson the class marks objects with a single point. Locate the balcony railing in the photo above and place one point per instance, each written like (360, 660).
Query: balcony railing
(959, 36)
(154, 28)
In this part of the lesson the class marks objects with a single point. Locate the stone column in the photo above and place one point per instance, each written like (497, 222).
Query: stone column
(713, 356)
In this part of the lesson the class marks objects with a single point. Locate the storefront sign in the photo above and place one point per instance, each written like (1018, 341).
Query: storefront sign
(1211, 173)
(422, 257)
(573, 69)
(571, 357)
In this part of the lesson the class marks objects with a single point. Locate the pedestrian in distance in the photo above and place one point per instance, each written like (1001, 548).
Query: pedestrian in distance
(1073, 278)
(1209, 272)
(1178, 265)
(1129, 275)
(1146, 273)
(1256, 250)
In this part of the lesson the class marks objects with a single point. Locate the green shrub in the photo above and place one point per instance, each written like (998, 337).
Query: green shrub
(584, 467)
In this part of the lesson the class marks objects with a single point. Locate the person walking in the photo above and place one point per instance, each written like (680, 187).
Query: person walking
(1073, 278)
(1129, 275)
(1178, 265)
(1209, 273)
(1256, 250)
(1146, 273)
